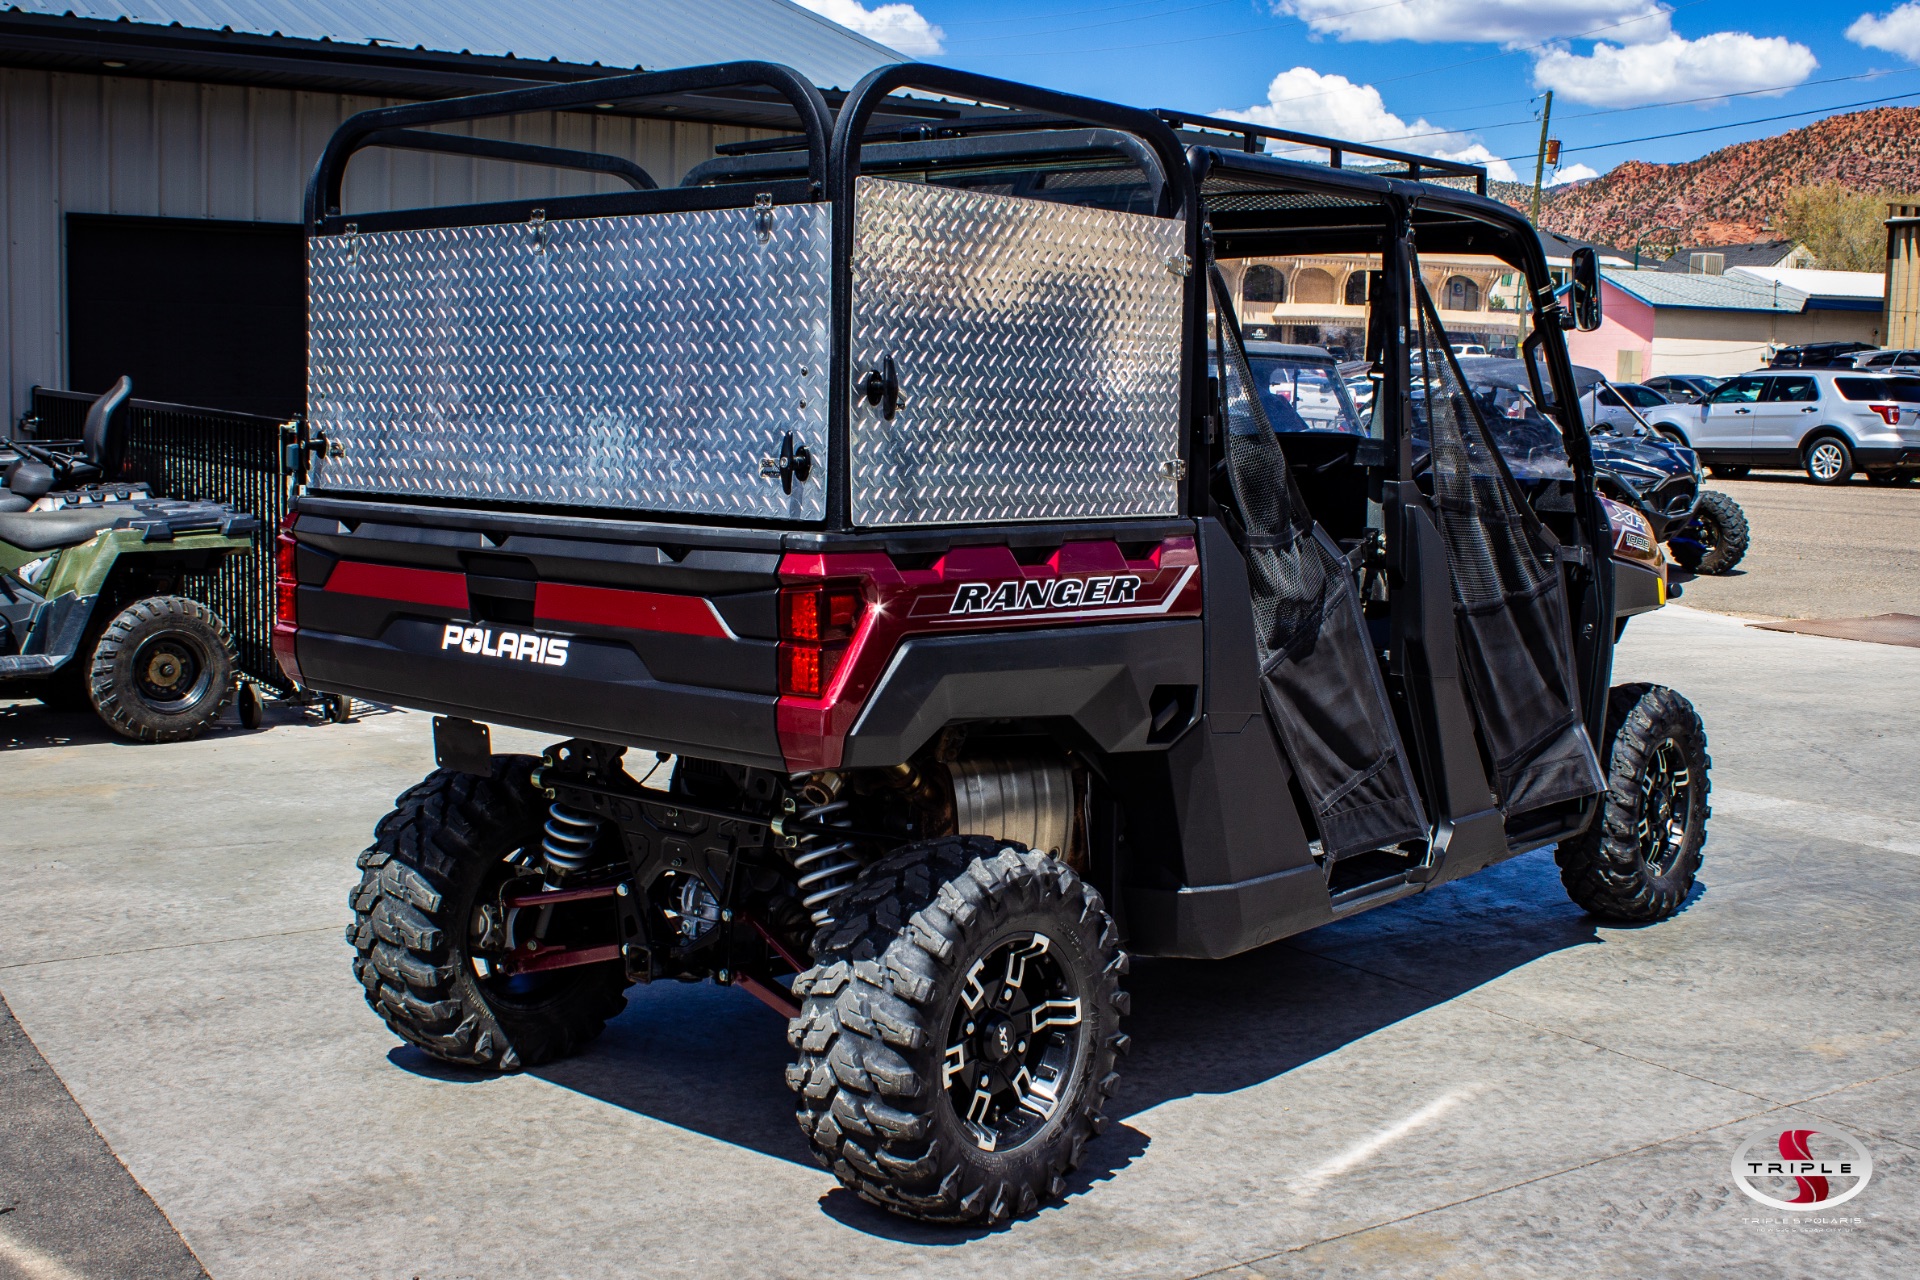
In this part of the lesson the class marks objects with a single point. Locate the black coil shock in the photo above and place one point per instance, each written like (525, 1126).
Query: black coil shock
(567, 840)
(823, 862)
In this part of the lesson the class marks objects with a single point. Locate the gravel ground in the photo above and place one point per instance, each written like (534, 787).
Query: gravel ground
(1851, 551)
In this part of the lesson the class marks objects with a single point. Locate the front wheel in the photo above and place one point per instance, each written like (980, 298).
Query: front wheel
(957, 1038)
(432, 949)
(1829, 461)
(162, 670)
(1637, 861)
(1715, 538)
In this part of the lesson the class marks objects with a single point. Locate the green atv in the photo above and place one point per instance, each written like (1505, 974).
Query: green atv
(92, 575)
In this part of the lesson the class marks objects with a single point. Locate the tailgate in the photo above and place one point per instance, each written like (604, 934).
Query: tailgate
(622, 637)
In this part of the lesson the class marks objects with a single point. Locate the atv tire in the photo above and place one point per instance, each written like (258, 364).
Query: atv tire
(421, 885)
(1636, 863)
(162, 670)
(1717, 537)
(898, 1027)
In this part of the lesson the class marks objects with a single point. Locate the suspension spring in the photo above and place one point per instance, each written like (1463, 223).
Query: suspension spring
(568, 839)
(824, 863)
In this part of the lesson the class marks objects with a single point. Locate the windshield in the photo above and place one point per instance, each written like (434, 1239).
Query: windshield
(1527, 439)
(1303, 394)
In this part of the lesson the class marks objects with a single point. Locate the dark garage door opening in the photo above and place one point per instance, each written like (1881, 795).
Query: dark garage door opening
(197, 312)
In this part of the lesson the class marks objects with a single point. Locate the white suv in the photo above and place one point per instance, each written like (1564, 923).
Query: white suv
(1832, 422)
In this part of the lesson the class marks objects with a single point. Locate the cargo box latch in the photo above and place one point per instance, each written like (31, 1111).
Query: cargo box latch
(794, 462)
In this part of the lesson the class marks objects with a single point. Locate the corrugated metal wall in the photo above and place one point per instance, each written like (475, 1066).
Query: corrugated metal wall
(120, 145)
(1903, 275)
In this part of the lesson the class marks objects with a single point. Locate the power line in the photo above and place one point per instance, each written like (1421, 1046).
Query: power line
(1648, 106)
(1731, 124)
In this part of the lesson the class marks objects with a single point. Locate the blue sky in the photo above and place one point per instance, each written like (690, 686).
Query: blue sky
(1711, 71)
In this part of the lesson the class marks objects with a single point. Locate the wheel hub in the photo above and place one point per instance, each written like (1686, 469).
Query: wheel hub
(167, 670)
(1013, 1042)
(1666, 801)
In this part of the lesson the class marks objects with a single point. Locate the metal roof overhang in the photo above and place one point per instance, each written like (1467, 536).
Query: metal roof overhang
(226, 57)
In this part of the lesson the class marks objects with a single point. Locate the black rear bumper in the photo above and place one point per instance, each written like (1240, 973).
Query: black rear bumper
(603, 693)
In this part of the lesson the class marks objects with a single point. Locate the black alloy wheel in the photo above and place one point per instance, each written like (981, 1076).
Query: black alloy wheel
(1012, 1042)
(1637, 861)
(1666, 800)
(957, 1036)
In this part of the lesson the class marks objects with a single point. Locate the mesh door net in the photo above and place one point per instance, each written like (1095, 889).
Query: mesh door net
(1516, 644)
(1319, 679)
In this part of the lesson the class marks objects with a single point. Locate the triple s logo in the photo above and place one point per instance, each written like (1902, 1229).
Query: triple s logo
(514, 646)
(1822, 1175)
(1046, 593)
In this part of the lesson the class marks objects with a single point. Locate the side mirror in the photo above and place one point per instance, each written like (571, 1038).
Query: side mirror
(1585, 297)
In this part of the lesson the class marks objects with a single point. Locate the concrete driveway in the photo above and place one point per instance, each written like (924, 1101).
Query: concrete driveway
(1478, 1082)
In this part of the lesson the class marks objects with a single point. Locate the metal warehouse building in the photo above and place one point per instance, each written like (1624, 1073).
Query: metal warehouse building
(154, 153)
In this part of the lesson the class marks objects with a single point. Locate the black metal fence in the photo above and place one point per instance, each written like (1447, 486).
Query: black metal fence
(251, 462)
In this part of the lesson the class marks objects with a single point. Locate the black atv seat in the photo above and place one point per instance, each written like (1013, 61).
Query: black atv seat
(51, 530)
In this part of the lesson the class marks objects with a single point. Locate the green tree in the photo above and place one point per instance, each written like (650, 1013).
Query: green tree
(1845, 229)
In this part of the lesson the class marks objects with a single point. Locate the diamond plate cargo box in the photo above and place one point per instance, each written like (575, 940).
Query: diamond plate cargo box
(1037, 347)
(646, 363)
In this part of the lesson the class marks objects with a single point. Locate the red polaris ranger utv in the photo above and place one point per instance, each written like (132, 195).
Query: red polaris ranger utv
(901, 474)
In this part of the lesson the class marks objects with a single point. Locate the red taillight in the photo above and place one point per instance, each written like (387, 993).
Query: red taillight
(816, 621)
(1889, 413)
(286, 592)
(285, 584)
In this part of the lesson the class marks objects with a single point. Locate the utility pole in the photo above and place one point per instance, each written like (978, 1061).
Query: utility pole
(1540, 159)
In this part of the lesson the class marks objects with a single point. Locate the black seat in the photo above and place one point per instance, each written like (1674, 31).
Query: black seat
(51, 530)
(103, 445)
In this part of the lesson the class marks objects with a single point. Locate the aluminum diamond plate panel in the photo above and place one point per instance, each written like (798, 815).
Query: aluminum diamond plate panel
(1038, 352)
(646, 363)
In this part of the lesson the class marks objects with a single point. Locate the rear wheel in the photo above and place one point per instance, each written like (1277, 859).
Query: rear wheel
(956, 1042)
(1829, 461)
(162, 670)
(1636, 863)
(1715, 539)
(427, 933)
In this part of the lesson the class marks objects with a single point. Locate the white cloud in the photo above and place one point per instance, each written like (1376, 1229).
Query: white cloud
(898, 26)
(1573, 173)
(1308, 102)
(1632, 75)
(1896, 32)
(1482, 21)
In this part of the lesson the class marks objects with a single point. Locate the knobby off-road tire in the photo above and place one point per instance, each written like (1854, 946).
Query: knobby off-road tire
(1717, 537)
(445, 844)
(1637, 862)
(162, 670)
(925, 942)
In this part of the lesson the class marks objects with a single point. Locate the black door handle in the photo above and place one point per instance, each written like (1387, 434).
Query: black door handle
(882, 387)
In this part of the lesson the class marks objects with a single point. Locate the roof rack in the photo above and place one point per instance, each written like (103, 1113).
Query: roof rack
(916, 131)
(1251, 135)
